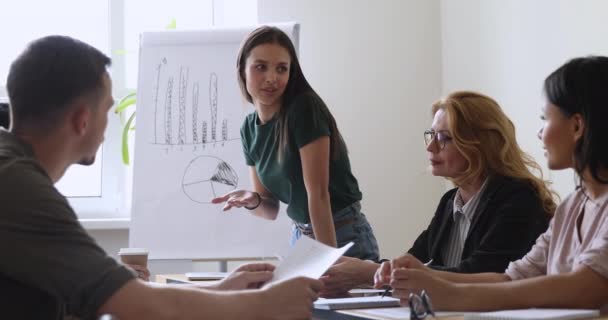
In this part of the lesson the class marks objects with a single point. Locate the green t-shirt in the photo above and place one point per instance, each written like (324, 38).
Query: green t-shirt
(46, 257)
(307, 122)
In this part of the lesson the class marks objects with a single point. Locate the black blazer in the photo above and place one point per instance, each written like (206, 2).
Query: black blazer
(508, 219)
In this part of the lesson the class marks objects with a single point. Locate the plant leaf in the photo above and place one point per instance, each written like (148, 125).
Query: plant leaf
(125, 102)
(172, 25)
(125, 140)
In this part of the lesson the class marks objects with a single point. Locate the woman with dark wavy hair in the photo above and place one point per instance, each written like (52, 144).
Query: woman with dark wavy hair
(568, 265)
(295, 151)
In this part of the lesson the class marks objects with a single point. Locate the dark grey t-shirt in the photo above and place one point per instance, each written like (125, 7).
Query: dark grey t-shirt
(43, 248)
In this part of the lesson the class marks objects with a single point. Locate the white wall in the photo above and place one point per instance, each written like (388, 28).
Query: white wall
(377, 64)
(505, 49)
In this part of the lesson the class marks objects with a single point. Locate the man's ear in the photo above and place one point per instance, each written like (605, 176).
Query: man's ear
(579, 126)
(80, 118)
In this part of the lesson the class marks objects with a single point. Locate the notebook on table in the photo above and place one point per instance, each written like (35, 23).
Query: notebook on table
(534, 314)
(356, 303)
(206, 275)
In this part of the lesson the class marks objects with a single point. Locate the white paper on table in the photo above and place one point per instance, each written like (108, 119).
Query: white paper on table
(206, 275)
(534, 314)
(356, 303)
(308, 258)
(366, 292)
(394, 313)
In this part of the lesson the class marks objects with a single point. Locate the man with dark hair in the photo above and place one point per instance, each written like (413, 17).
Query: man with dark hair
(60, 95)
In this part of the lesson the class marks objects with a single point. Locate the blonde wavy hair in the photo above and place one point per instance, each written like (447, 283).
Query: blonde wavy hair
(485, 136)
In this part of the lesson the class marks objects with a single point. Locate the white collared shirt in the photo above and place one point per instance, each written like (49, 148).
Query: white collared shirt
(463, 214)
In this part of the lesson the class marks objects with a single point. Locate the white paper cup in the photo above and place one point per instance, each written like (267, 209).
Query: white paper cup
(136, 256)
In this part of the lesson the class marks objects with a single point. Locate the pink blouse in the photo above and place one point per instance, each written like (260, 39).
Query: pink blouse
(561, 248)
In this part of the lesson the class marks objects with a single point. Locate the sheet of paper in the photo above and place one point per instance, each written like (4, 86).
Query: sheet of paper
(365, 292)
(403, 313)
(524, 314)
(399, 313)
(206, 275)
(356, 302)
(308, 258)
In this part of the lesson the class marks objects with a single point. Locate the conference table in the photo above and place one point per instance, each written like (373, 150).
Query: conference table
(354, 314)
(317, 314)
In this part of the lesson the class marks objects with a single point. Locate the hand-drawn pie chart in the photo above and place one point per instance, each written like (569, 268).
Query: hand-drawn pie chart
(207, 177)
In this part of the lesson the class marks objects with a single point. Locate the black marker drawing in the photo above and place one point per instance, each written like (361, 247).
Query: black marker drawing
(183, 89)
(204, 132)
(213, 104)
(195, 137)
(187, 132)
(207, 177)
(224, 131)
(156, 91)
(168, 109)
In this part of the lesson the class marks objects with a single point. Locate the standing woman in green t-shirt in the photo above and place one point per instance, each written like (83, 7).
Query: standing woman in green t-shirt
(294, 150)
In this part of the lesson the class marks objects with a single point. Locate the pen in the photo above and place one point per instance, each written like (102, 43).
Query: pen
(388, 288)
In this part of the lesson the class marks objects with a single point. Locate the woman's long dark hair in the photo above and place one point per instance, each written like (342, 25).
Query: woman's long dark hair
(581, 87)
(296, 87)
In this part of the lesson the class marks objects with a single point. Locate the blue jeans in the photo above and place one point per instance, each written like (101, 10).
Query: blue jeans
(352, 225)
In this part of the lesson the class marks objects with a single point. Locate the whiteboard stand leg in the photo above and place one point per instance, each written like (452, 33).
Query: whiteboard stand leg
(223, 265)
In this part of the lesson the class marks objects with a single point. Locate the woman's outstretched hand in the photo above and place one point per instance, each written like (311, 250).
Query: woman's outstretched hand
(238, 199)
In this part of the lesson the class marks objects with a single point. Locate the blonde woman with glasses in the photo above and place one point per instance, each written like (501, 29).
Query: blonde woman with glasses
(495, 213)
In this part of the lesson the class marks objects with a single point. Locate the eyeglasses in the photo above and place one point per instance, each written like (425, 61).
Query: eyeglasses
(440, 136)
(420, 306)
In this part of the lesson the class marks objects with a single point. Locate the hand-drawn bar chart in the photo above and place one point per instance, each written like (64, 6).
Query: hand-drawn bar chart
(179, 117)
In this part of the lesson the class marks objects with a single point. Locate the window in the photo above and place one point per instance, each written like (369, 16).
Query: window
(188, 14)
(86, 20)
(112, 26)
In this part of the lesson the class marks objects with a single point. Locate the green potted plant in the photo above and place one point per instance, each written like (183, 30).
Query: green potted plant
(121, 110)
